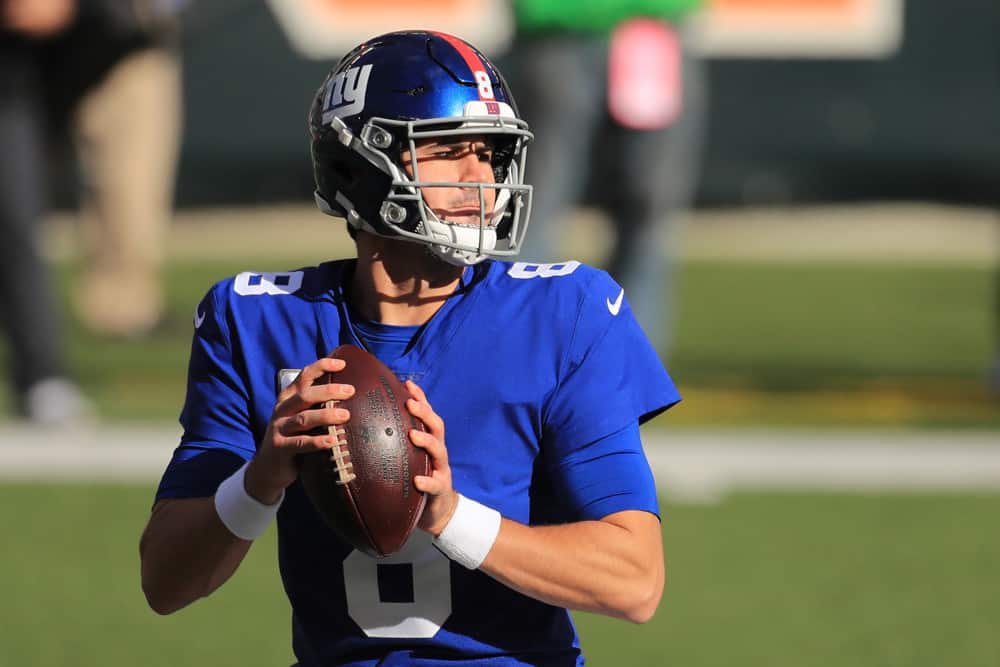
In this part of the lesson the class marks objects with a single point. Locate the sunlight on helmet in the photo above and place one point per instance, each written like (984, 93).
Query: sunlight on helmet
(407, 92)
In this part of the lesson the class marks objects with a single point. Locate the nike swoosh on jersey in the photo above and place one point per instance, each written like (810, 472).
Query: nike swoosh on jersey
(198, 318)
(613, 308)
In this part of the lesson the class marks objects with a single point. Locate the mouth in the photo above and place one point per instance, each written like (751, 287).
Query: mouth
(459, 212)
(461, 216)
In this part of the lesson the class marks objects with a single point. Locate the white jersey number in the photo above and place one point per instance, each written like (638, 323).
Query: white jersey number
(255, 284)
(524, 270)
(407, 594)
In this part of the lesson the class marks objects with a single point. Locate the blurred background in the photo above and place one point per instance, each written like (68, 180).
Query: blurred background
(800, 197)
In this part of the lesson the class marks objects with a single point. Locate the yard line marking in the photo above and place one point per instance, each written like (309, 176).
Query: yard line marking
(689, 465)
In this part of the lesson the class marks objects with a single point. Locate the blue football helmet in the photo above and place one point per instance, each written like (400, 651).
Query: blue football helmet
(379, 101)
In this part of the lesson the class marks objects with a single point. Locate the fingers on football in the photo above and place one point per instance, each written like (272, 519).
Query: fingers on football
(310, 420)
(433, 446)
(308, 375)
(302, 442)
(303, 393)
(422, 410)
(429, 485)
(416, 391)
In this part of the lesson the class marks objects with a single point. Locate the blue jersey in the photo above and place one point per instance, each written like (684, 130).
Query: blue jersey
(534, 369)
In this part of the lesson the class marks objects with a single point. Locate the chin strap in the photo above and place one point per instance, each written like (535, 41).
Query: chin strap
(463, 235)
(467, 235)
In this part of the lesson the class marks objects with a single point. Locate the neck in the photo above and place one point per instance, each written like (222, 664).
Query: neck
(400, 283)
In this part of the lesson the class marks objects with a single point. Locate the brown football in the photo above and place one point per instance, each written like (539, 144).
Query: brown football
(363, 487)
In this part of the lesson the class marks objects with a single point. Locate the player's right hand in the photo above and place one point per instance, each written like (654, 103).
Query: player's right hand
(299, 424)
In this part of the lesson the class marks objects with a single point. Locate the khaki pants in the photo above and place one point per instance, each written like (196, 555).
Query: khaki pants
(128, 133)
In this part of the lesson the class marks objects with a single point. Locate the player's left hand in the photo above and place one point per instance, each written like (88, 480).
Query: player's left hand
(442, 499)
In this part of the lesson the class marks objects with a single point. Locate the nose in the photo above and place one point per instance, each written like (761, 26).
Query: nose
(475, 169)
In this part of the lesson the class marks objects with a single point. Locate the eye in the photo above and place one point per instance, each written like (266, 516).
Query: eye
(437, 152)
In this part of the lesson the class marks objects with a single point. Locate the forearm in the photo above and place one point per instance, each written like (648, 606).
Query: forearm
(192, 546)
(187, 553)
(612, 567)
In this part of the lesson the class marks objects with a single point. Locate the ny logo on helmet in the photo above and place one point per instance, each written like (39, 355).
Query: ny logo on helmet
(345, 95)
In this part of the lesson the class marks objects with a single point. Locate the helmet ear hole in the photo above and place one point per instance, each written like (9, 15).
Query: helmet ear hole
(503, 153)
(504, 226)
(344, 174)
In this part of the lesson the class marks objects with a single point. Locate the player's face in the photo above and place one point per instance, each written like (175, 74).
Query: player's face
(455, 159)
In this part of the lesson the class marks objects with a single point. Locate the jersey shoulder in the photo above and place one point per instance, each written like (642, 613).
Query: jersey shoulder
(303, 282)
(564, 288)
(256, 290)
(251, 297)
(570, 276)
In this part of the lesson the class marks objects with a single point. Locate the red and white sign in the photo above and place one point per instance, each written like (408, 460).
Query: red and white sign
(644, 75)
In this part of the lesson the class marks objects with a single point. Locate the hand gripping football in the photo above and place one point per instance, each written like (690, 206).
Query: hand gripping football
(363, 487)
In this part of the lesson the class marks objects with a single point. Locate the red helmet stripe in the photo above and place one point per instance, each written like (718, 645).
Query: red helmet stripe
(468, 55)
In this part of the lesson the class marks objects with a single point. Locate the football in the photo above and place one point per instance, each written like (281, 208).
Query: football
(363, 487)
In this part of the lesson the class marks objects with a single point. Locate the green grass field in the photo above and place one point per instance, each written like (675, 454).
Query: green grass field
(759, 580)
(764, 579)
(823, 344)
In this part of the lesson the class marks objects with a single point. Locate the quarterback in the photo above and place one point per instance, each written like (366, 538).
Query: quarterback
(532, 379)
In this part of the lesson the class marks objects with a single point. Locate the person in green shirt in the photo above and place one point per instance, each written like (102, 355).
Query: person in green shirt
(618, 98)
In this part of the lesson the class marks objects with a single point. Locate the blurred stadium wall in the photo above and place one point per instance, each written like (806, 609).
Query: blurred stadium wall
(811, 100)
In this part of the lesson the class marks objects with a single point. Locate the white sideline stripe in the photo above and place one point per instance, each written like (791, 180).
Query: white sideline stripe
(688, 465)
(705, 468)
(93, 453)
(813, 466)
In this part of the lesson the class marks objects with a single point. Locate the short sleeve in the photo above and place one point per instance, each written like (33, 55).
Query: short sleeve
(216, 408)
(196, 471)
(602, 477)
(611, 375)
(217, 434)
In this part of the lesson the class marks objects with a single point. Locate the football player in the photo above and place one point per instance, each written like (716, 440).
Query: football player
(533, 380)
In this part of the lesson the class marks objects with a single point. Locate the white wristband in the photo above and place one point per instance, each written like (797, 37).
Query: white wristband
(246, 517)
(470, 533)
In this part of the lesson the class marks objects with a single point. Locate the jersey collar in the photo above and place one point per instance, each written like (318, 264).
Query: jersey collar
(432, 339)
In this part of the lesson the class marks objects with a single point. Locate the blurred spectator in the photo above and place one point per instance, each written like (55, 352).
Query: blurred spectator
(114, 80)
(106, 72)
(611, 86)
(42, 391)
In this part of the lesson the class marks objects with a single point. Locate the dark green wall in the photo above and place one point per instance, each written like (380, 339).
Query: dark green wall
(924, 124)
